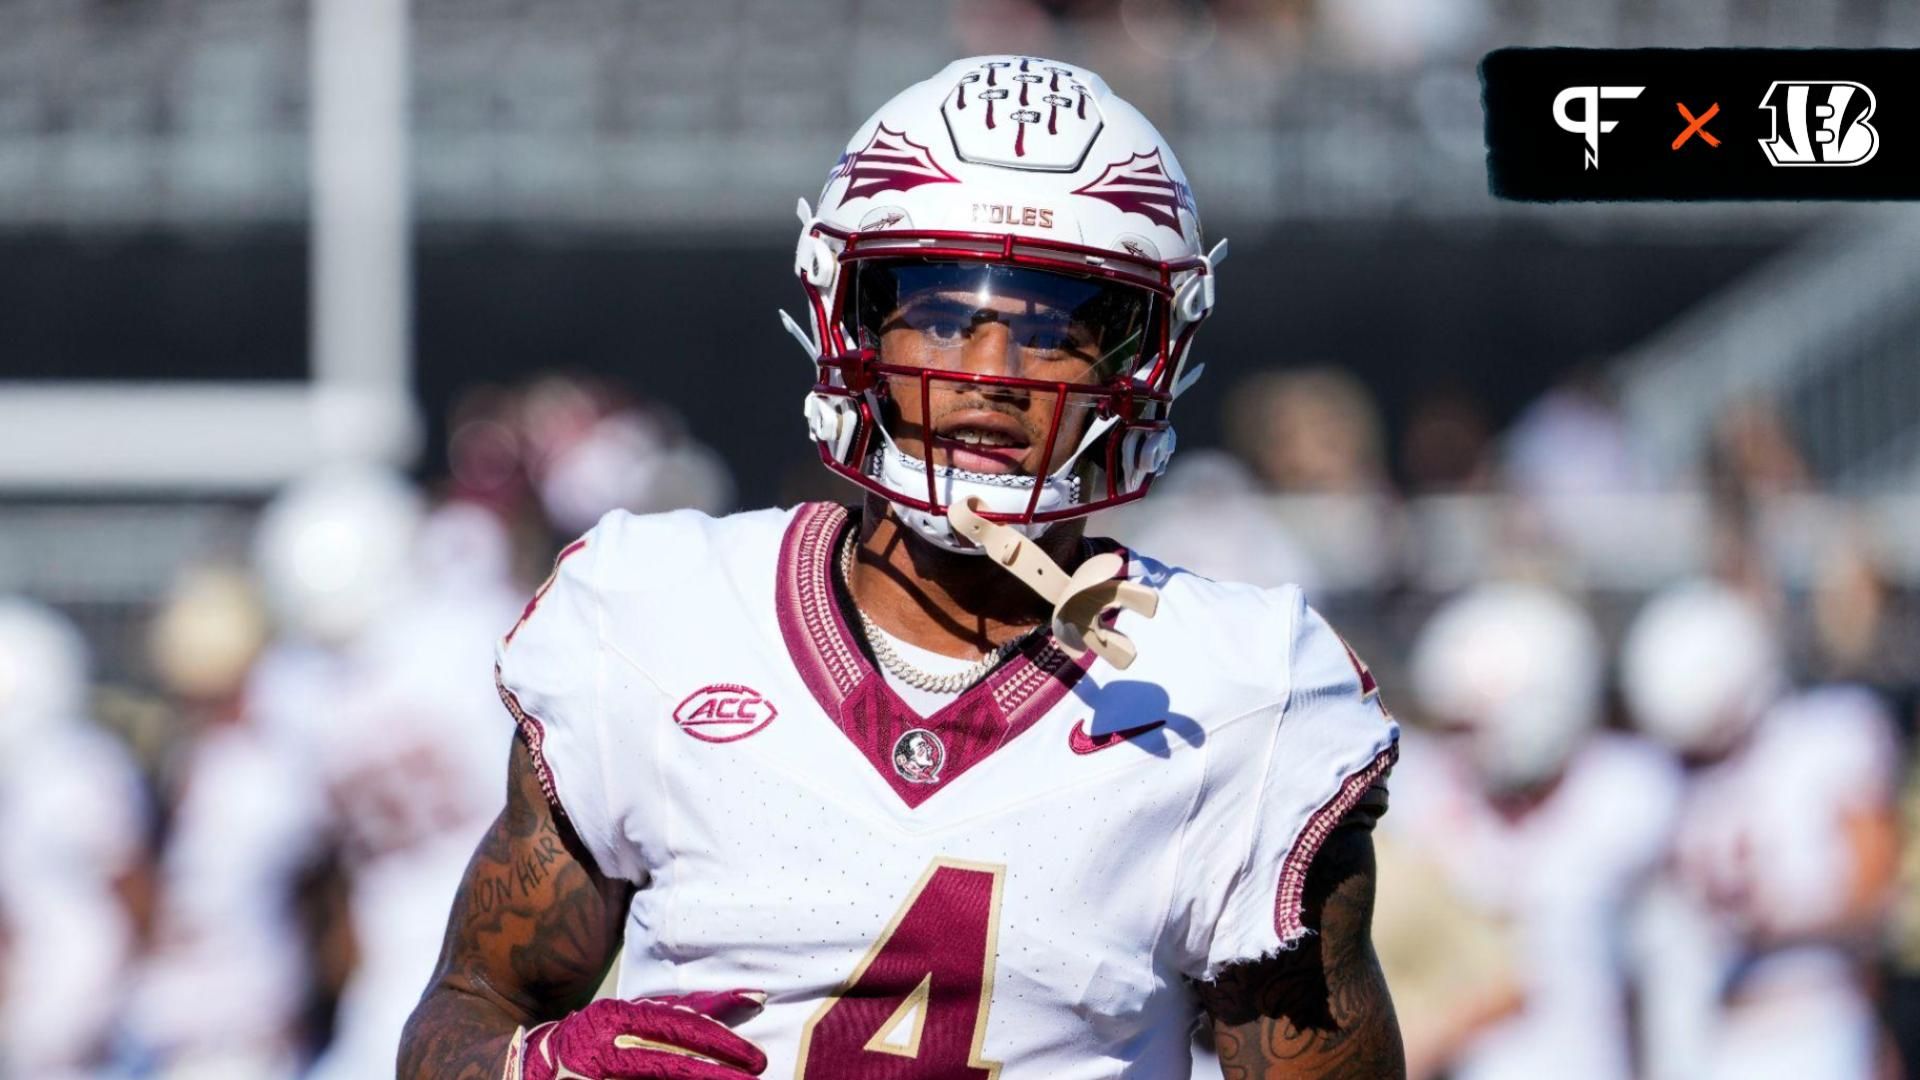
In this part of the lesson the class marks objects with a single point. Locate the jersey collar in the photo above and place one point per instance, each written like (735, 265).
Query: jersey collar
(857, 697)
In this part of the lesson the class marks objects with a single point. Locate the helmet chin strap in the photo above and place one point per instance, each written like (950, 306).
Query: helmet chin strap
(1082, 600)
(900, 471)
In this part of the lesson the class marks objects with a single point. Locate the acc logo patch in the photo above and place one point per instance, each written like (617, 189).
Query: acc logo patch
(724, 712)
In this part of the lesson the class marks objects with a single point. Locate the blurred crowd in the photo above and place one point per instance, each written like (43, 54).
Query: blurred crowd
(1351, 33)
(1654, 833)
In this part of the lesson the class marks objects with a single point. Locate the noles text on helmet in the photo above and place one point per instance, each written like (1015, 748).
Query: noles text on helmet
(1003, 279)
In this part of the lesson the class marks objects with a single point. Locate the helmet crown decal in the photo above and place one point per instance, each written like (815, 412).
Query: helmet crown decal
(1022, 114)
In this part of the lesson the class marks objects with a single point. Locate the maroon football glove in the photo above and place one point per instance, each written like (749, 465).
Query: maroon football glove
(682, 1037)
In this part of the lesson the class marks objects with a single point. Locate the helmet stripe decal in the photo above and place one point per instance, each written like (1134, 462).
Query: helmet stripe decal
(1140, 185)
(892, 162)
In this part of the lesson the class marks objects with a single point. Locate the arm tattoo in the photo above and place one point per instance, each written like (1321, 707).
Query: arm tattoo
(533, 930)
(1323, 1009)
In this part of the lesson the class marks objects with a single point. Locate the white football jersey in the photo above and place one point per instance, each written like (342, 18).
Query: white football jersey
(1019, 885)
(225, 927)
(75, 822)
(388, 747)
(413, 766)
(1561, 877)
(1750, 980)
(1763, 839)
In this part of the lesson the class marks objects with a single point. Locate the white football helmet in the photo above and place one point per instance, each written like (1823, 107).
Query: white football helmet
(207, 633)
(335, 548)
(1699, 665)
(44, 665)
(1003, 277)
(1519, 668)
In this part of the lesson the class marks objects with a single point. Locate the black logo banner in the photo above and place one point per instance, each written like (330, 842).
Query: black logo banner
(1601, 124)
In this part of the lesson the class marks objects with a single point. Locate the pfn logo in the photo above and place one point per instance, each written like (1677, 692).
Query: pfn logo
(723, 713)
(1825, 124)
(1589, 124)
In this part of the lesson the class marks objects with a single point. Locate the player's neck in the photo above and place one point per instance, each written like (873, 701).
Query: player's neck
(959, 605)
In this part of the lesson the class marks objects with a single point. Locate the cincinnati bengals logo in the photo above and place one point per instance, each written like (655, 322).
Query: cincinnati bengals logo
(889, 162)
(1819, 123)
(1141, 185)
(724, 712)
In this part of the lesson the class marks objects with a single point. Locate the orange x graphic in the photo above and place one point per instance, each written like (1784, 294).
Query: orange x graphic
(1698, 125)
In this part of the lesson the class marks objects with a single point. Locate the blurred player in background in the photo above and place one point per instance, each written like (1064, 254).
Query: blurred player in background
(826, 757)
(1539, 825)
(361, 739)
(589, 450)
(226, 925)
(71, 854)
(1758, 942)
(407, 768)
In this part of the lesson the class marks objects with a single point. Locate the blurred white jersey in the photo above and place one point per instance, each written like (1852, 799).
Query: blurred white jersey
(75, 823)
(1026, 878)
(1752, 979)
(387, 749)
(243, 827)
(1561, 875)
(410, 759)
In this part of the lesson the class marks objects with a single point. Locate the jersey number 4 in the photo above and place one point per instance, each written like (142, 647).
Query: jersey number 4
(916, 1006)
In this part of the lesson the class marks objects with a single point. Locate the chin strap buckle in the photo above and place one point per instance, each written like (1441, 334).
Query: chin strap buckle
(1082, 601)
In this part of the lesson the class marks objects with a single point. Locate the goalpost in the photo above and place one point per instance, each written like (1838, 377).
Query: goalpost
(161, 437)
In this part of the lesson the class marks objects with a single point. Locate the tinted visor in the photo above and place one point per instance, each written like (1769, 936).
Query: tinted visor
(990, 319)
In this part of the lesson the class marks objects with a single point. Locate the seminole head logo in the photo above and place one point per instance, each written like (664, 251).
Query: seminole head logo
(889, 162)
(1141, 185)
(918, 757)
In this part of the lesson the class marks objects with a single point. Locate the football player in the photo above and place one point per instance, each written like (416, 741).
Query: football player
(367, 736)
(71, 855)
(939, 787)
(1781, 871)
(1543, 825)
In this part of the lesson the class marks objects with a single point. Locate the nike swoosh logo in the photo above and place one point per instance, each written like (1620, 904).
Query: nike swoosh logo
(1082, 743)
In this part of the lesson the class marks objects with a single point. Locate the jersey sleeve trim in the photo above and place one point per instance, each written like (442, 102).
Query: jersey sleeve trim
(1289, 900)
(551, 677)
(540, 593)
(535, 735)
